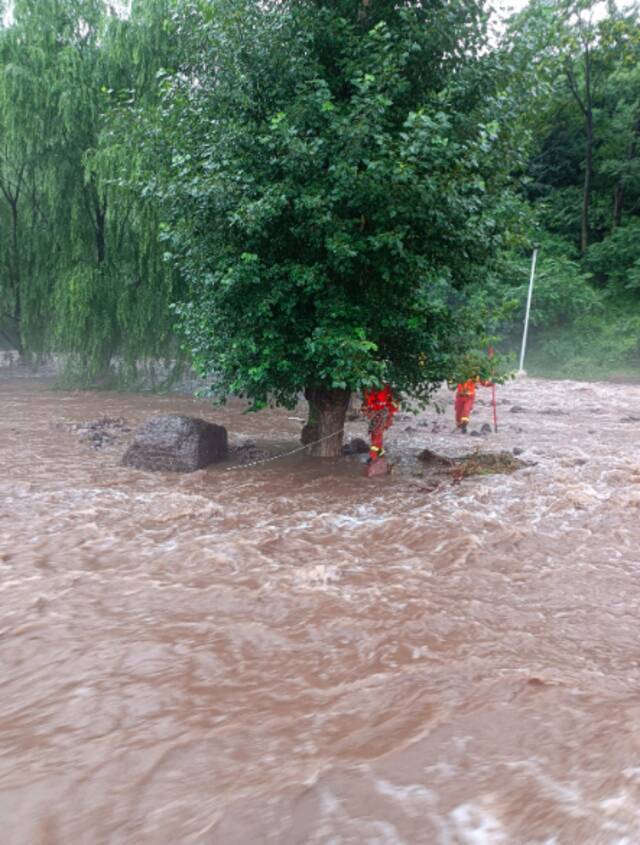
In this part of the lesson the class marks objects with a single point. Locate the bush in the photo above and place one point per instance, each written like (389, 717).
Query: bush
(616, 260)
(562, 291)
(578, 330)
(595, 346)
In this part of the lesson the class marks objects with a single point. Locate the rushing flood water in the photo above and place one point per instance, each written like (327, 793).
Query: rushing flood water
(293, 654)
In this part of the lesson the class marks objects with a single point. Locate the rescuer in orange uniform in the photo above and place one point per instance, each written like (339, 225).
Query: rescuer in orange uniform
(378, 407)
(465, 397)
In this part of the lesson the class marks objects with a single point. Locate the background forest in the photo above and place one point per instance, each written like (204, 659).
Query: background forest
(88, 133)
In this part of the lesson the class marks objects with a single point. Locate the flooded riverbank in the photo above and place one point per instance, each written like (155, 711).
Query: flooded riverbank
(289, 653)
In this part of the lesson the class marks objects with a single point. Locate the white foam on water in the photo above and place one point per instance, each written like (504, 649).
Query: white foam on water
(388, 835)
(474, 825)
(413, 793)
(366, 518)
(322, 575)
(569, 795)
(328, 802)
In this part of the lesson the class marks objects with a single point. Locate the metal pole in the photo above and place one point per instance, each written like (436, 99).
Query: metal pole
(526, 316)
(495, 409)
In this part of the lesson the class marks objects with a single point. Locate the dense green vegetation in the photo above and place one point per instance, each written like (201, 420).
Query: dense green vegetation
(318, 196)
(581, 185)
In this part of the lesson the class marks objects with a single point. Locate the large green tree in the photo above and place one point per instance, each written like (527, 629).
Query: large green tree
(333, 179)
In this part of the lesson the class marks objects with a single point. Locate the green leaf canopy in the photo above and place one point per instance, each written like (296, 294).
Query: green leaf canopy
(333, 179)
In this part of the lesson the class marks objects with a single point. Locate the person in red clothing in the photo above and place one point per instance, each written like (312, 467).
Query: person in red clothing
(465, 397)
(378, 407)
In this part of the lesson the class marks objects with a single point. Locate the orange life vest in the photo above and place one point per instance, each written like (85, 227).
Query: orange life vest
(467, 388)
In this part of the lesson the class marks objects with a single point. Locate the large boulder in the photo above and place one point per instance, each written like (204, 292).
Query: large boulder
(175, 443)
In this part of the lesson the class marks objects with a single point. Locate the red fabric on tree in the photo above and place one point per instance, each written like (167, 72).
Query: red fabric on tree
(378, 400)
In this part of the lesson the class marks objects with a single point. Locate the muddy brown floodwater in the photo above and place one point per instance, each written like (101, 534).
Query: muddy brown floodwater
(292, 654)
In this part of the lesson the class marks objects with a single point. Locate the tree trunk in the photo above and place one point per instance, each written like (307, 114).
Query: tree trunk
(354, 411)
(14, 246)
(588, 167)
(588, 178)
(100, 233)
(327, 413)
(10, 331)
(618, 197)
(14, 281)
(618, 203)
(585, 103)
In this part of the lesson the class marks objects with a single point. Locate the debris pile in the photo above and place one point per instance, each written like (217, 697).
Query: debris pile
(105, 431)
(485, 463)
(465, 466)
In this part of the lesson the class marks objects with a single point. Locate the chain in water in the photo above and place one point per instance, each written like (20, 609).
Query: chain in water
(285, 454)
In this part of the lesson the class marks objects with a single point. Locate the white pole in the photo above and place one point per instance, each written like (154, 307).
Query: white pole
(526, 316)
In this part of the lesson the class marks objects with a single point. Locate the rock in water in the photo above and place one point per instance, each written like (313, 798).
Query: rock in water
(176, 443)
(433, 459)
(377, 467)
(356, 446)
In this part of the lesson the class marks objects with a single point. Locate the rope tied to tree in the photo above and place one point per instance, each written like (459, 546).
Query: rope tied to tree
(285, 454)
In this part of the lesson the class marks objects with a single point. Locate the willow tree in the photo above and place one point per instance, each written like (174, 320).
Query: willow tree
(15, 173)
(331, 178)
(49, 67)
(18, 209)
(85, 274)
